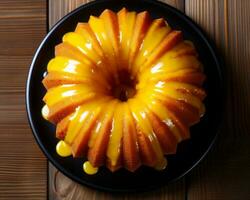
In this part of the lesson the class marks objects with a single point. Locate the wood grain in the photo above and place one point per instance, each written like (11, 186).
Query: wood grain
(58, 9)
(61, 187)
(22, 166)
(225, 173)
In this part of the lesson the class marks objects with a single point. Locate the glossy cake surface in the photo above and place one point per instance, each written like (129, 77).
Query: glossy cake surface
(123, 90)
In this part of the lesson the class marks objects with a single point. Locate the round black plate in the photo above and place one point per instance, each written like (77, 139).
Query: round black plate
(189, 152)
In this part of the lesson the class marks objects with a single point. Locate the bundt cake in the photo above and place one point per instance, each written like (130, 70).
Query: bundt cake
(123, 90)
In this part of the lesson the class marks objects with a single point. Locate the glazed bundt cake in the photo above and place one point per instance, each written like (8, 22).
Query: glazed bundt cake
(123, 90)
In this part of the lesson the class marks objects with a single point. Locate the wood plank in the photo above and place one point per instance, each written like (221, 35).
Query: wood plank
(61, 187)
(58, 9)
(23, 166)
(225, 173)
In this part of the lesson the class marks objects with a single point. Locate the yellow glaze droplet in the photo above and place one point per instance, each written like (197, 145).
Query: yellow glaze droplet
(161, 165)
(63, 149)
(45, 111)
(89, 169)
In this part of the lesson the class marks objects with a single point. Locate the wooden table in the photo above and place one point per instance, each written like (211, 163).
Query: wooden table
(224, 174)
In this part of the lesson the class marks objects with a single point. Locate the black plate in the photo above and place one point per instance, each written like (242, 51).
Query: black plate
(189, 152)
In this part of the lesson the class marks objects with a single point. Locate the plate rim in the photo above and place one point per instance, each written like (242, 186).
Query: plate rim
(219, 66)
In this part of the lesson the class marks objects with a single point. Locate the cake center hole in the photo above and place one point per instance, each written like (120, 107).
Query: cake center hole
(124, 86)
